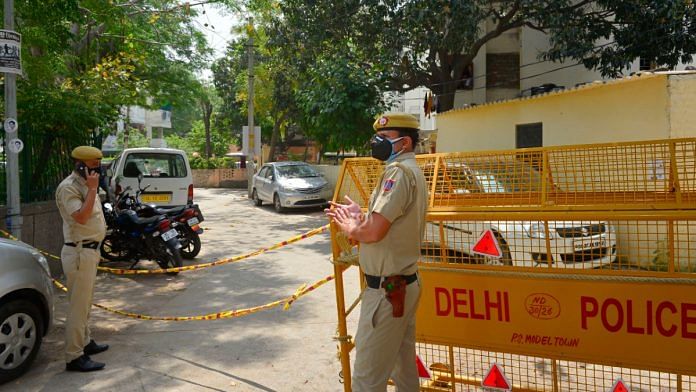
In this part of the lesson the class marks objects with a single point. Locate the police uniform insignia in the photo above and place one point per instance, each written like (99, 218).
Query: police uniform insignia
(388, 185)
(383, 121)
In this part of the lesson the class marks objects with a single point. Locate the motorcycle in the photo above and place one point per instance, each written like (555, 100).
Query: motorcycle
(188, 220)
(133, 238)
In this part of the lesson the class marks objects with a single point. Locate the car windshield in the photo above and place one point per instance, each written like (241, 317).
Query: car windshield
(296, 171)
(154, 165)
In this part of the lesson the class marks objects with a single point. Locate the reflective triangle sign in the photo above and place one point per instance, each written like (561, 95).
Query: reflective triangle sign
(487, 245)
(423, 371)
(619, 386)
(495, 379)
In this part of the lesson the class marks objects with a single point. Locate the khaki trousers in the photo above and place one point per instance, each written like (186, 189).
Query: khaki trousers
(80, 268)
(386, 346)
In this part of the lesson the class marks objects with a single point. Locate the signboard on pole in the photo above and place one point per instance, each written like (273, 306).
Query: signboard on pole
(10, 45)
(251, 142)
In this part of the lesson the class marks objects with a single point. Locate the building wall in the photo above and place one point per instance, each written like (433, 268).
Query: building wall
(42, 228)
(623, 111)
(682, 109)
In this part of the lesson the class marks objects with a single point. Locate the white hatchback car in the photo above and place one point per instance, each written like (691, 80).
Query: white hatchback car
(572, 244)
(165, 170)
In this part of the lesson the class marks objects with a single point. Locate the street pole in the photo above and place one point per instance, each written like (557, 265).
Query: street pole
(14, 216)
(250, 104)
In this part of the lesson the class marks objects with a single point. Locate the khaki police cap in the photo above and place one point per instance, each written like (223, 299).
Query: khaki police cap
(396, 121)
(86, 153)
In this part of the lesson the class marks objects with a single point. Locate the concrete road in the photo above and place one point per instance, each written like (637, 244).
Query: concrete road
(273, 350)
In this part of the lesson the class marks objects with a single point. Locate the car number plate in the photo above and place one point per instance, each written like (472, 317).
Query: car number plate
(168, 235)
(192, 221)
(156, 198)
(590, 244)
(312, 197)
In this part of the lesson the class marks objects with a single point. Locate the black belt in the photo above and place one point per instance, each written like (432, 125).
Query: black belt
(374, 282)
(85, 244)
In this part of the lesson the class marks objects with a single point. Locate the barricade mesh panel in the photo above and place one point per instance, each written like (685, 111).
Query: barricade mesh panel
(599, 211)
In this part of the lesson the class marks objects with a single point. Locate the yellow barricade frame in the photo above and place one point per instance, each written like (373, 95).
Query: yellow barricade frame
(637, 200)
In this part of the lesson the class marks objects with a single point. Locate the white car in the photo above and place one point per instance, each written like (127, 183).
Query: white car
(26, 306)
(572, 244)
(165, 170)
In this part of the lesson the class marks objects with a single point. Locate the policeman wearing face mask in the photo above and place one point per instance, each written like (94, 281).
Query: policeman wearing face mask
(390, 236)
(83, 230)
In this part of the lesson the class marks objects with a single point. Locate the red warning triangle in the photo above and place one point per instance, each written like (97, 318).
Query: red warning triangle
(495, 379)
(487, 245)
(619, 386)
(423, 371)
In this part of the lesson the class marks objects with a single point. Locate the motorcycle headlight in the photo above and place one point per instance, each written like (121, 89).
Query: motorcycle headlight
(538, 230)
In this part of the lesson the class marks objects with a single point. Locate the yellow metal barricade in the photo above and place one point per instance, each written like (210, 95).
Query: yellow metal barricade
(571, 268)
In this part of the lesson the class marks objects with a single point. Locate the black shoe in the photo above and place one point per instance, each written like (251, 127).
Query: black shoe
(94, 348)
(83, 364)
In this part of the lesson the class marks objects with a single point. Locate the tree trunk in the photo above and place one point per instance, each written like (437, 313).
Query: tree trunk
(207, 113)
(126, 133)
(275, 136)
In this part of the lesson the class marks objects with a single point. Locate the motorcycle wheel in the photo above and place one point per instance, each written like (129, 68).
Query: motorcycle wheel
(190, 244)
(112, 250)
(171, 259)
(175, 260)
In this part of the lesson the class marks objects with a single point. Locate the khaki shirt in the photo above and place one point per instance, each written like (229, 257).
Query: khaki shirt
(403, 200)
(70, 196)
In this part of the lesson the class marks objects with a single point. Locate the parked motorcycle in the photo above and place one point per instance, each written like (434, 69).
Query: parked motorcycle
(133, 238)
(188, 219)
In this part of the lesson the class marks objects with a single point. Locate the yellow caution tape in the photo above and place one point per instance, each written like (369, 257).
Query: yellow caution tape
(118, 271)
(303, 290)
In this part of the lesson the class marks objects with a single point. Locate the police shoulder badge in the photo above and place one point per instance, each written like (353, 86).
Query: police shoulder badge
(389, 184)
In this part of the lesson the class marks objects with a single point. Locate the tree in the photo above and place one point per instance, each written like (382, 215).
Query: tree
(84, 59)
(339, 102)
(430, 43)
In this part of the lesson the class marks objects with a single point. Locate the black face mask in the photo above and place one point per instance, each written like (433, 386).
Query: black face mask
(383, 148)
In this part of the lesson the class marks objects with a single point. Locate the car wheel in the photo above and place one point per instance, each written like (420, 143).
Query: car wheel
(276, 203)
(254, 196)
(21, 332)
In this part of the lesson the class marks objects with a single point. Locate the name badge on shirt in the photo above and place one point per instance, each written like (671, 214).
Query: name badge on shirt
(388, 185)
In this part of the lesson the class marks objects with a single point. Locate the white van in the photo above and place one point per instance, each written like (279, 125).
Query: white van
(165, 170)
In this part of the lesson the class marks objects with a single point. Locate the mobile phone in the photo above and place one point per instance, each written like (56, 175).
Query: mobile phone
(80, 168)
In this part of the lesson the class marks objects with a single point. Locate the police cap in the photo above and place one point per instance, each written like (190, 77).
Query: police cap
(86, 153)
(396, 121)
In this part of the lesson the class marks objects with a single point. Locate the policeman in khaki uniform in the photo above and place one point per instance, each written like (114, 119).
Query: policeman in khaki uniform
(390, 239)
(83, 229)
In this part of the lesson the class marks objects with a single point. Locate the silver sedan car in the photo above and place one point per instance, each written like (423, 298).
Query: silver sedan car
(26, 306)
(289, 185)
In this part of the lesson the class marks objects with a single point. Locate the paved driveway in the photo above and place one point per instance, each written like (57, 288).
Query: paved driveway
(268, 351)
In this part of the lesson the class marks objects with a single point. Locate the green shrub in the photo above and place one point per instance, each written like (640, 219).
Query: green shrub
(212, 163)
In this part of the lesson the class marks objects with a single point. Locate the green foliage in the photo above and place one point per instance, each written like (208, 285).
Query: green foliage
(84, 59)
(431, 43)
(339, 102)
(194, 141)
(212, 163)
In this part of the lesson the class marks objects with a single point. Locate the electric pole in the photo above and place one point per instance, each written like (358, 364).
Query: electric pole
(14, 216)
(250, 105)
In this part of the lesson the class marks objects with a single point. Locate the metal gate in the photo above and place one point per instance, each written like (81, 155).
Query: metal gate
(570, 268)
